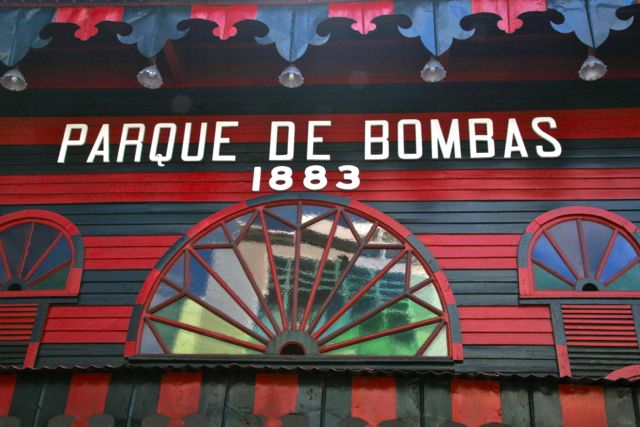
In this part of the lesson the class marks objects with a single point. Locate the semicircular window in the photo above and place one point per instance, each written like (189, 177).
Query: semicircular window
(37, 254)
(296, 278)
(583, 254)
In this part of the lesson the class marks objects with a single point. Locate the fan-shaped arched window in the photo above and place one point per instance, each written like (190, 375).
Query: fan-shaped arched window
(40, 255)
(293, 278)
(581, 251)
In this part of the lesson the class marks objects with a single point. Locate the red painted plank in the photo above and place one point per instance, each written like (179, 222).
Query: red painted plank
(374, 399)
(515, 338)
(275, 395)
(582, 405)
(7, 388)
(564, 364)
(179, 395)
(84, 337)
(120, 264)
(474, 251)
(130, 241)
(87, 324)
(505, 312)
(125, 252)
(475, 402)
(493, 240)
(505, 325)
(91, 311)
(87, 396)
(478, 264)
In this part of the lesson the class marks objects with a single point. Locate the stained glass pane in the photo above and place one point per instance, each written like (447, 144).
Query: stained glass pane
(42, 237)
(176, 272)
(399, 314)
(383, 237)
(546, 254)
(163, 293)
(282, 238)
(310, 212)
(312, 247)
(60, 253)
(418, 273)
(204, 286)
(429, 295)
(438, 347)
(596, 239)
(405, 343)
(253, 249)
(287, 212)
(366, 267)
(225, 263)
(387, 287)
(14, 240)
(57, 280)
(149, 344)
(545, 281)
(180, 341)
(629, 281)
(361, 225)
(214, 237)
(191, 313)
(565, 235)
(621, 254)
(342, 250)
(3, 274)
(236, 225)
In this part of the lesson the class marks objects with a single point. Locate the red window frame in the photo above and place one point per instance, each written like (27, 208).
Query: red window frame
(68, 231)
(547, 220)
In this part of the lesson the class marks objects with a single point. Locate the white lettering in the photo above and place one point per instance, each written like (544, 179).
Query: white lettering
(402, 152)
(100, 146)
(557, 148)
(448, 145)
(154, 155)
(514, 135)
(186, 142)
(218, 139)
(312, 139)
(475, 137)
(273, 142)
(68, 141)
(369, 140)
(125, 141)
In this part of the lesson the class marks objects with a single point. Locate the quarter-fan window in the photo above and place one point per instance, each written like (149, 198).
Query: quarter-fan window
(40, 255)
(595, 251)
(296, 278)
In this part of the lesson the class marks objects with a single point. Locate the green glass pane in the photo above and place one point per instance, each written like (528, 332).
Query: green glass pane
(438, 347)
(287, 212)
(149, 343)
(202, 285)
(405, 343)
(429, 294)
(368, 264)
(180, 341)
(342, 250)
(387, 287)
(189, 312)
(629, 281)
(163, 293)
(383, 237)
(401, 313)
(282, 239)
(215, 237)
(361, 225)
(236, 225)
(314, 239)
(545, 281)
(310, 212)
(418, 272)
(253, 249)
(57, 280)
(176, 272)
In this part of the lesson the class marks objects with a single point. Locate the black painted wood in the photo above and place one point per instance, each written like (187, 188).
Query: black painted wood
(546, 405)
(619, 407)
(436, 402)
(336, 399)
(310, 398)
(516, 409)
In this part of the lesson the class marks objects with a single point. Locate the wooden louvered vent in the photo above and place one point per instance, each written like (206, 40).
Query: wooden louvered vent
(600, 338)
(16, 326)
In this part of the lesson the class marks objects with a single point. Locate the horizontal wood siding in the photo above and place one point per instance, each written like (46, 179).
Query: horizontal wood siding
(84, 355)
(506, 325)
(95, 324)
(602, 325)
(601, 361)
(16, 322)
(536, 359)
(125, 252)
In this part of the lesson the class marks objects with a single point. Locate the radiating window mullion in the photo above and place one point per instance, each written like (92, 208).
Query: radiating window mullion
(424, 303)
(181, 294)
(607, 253)
(50, 273)
(274, 271)
(553, 272)
(622, 271)
(296, 268)
(44, 256)
(583, 249)
(563, 256)
(431, 338)
(158, 337)
(25, 252)
(353, 229)
(5, 261)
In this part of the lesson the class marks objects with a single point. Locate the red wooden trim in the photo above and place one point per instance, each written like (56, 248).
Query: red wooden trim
(475, 402)
(87, 396)
(225, 16)
(493, 338)
(275, 395)
(548, 219)
(506, 325)
(72, 324)
(274, 272)
(179, 395)
(146, 241)
(474, 240)
(83, 337)
(582, 405)
(629, 373)
(96, 311)
(361, 13)
(44, 255)
(476, 263)
(504, 312)
(7, 388)
(374, 399)
(27, 246)
(86, 18)
(564, 364)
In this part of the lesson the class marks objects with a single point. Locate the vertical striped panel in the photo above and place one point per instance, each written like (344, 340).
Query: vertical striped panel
(87, 396)
(599, 325)
(179, 395)
(475, 402)
(374, 399)
(582, 405)
(16, 321)
(275, 396)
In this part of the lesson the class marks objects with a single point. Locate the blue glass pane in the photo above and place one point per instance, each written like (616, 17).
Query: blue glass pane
(163, 293)
(149, 344)
(236, 225)
(282, 239)
(545, 253)
(596, 239)
(14, 240)
(310, 212)
(565, 235)
(629, 281)
(176, 272)
(361, 225)
(42, 237)
(621, 254)
(214, 237)
(61, 252)
(287, 212)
